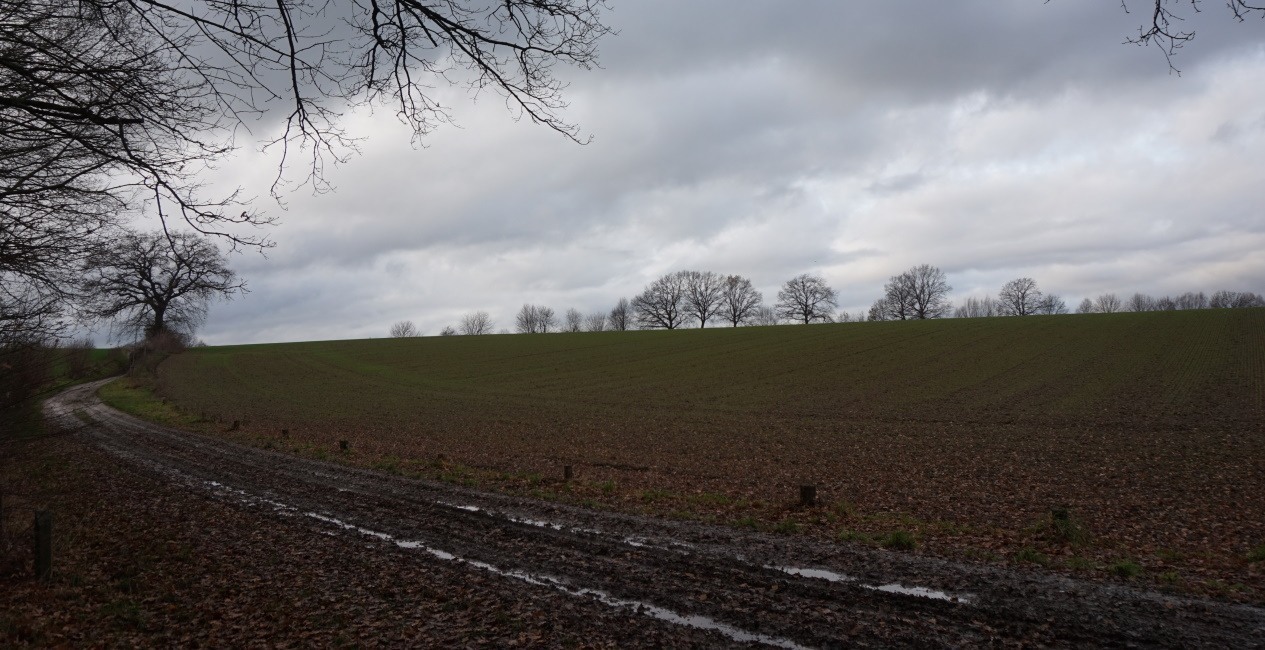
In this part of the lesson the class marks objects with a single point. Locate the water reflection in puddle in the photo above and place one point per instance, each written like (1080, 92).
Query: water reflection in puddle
(890, 588)
(654, 611)
(695, 621)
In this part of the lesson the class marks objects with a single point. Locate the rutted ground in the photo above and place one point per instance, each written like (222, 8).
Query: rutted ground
(677, 582)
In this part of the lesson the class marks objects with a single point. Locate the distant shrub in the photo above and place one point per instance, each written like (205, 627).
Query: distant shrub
(78, 357)
(152, 351)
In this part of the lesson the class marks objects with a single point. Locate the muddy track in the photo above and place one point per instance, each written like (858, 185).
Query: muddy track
(741, 586)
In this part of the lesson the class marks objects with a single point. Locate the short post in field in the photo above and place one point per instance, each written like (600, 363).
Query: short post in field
(566, 473)
(285, 433)
(43, 545)
(342, 444)
(807, 495)
(236, 425)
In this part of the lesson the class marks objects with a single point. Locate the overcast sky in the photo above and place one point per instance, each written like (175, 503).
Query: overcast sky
(768, 139)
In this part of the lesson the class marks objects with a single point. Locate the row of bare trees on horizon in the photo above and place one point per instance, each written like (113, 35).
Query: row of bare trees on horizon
(697, 298)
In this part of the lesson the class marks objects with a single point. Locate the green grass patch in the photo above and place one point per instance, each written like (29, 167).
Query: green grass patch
(1032, 556)
(855, 536)
(1126, 569)
(899, 540)
(137, 398)
(652, 495)
(1257, 554)
(1065, 528)
(786, 527)
(1078, 563)
(711, 499)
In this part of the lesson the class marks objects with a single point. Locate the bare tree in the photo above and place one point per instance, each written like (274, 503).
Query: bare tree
(476, 324)
(111, 111)
(404, 329)
(595, 322)
(1086, 307)
(535, 319)
(149, 283)
(1235, 299)
(1190, 300)
(661, 305)
(764, 316)
(1165, 304)
(974, 307)
(1019, 297)
(806, 298)
(1051, 305)
(921, 292)
(620, 318)
(1107, 303)
(1164, 29)
(448, 330)
(574, 321)
(702, 295)
(739, 300)
(1141, 302)
(546, 320)
(897, 302)
(525, 321)
(151, 88)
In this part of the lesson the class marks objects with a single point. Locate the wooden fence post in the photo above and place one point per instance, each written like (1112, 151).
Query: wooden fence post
(807, 495)
(566, 472)
(43, 545)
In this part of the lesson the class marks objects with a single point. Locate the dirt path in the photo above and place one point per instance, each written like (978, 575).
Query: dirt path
(705, 582)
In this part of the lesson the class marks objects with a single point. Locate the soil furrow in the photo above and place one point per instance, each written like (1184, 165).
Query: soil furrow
(735, 578)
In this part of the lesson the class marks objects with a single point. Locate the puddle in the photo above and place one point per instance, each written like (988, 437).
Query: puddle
(647, 609)
(638, 542)
(814, 573)
(654, 611)
(693, 620)
(890, 588)
(535, 522)
(458, 506)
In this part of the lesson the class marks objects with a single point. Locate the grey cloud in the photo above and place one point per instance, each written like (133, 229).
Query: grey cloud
(770, 139)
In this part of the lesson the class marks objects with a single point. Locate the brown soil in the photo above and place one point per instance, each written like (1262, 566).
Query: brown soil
(171, 537)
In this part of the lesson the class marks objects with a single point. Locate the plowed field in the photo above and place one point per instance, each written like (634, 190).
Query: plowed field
(957, 437)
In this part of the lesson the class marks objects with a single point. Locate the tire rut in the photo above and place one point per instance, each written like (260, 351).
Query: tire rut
(749, 587)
